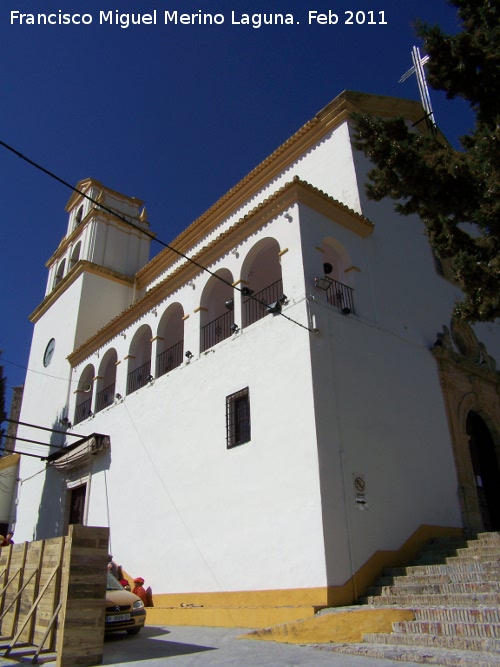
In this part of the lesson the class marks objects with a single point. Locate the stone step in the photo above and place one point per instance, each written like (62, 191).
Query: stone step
(470, 556)
(491, 630)
(458, 599)
(458, 614)
(451, 577)
(453, 588)
(424, 655)
(487, 554)
(443, 641)
(411, 588)
(443, 568)
(491, 536)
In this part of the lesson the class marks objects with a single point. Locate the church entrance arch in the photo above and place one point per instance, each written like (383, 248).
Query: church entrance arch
(471, 390)
(486, 468)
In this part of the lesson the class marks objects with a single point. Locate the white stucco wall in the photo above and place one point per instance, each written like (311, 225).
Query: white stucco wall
(361, 397)
(209, 518)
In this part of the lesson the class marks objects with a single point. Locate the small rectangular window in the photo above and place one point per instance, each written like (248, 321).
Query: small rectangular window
(238, 418)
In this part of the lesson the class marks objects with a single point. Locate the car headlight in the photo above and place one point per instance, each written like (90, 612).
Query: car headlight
(138, 604)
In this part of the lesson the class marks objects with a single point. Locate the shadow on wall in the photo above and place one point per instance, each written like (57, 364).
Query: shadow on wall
(64, 497)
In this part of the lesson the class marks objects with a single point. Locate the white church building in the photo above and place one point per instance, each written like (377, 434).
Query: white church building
(272, 403)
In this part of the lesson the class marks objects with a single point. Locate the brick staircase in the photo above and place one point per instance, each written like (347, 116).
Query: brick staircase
(453, 587)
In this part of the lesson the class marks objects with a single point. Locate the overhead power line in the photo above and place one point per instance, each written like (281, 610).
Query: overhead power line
(145, 232)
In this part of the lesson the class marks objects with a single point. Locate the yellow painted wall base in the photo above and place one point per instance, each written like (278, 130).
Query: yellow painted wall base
(261, 609)
(342, 626)
(256, 617)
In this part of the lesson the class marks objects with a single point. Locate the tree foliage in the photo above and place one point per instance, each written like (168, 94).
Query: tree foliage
(446, 187)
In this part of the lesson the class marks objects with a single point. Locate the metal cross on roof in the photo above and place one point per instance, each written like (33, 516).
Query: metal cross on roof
(418, 70)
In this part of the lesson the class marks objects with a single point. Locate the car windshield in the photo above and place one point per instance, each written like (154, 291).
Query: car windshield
(113, 584)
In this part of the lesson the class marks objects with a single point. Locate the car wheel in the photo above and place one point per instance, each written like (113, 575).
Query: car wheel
(134, 631)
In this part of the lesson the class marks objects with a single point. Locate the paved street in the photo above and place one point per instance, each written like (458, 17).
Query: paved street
(219, 647)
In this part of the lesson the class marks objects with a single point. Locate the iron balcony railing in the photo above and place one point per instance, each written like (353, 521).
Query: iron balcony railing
(216, 330)
(170, 359)
(139, 377)
(340, 295)
(105, 397)
(82, 411)
(254, 307)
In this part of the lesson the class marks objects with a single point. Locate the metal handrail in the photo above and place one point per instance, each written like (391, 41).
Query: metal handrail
(138, 377)
(170, 359)
(216, 330)
(102, 400)
(340, 295)
(254, 307)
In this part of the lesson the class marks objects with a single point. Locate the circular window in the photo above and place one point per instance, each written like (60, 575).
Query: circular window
(49, 351)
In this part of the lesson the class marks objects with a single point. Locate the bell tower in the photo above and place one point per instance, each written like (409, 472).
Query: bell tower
(91, 278)
(95, 235)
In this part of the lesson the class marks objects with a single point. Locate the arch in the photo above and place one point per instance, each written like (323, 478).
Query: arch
(261, 273)
(486, 469)
(75, 255)
(84, 393)
(170, 348)
(336, 264)
(217, 315)
(60, 272)
(106, 380)
(79, 216)
(139, 359)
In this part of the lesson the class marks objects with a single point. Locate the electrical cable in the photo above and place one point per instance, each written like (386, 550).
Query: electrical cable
(26, 368)
(178, 513)
(140, 229)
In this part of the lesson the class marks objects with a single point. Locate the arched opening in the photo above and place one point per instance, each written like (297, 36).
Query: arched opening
(139, 360)
(60, 272)
(79, 216)
(106, 381)
(337, 280)
(486, 470)
(171, 340)
(83, 408)
(217, 314)
(261, 276)
(75, 255)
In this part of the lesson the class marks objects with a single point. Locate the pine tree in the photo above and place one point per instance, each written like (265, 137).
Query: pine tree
(453, 191)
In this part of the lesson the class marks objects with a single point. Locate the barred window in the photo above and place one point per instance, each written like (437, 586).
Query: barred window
(238, 418)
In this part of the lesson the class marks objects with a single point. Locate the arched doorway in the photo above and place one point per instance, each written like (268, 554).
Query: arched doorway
(486, 470)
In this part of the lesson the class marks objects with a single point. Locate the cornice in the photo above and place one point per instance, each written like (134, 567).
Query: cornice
(82, 266)
(104, 217)
(86, 183)
(292, 192)
(446, 358)
(336, 112)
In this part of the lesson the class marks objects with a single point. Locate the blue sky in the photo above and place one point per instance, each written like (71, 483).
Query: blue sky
(172, 114)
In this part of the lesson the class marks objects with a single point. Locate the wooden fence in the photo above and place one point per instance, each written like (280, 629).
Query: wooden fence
(52, 598)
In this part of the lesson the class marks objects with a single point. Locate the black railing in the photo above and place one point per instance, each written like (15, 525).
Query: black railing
(105, 397)
(254, 307)
(216, 330)
(340, 295)
(138, 378)
(170, 359)
(82, 411)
